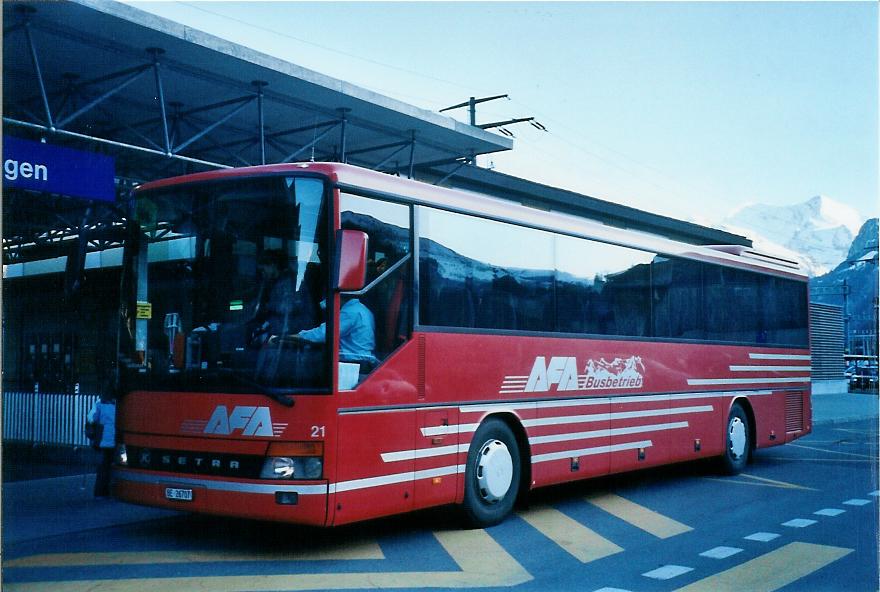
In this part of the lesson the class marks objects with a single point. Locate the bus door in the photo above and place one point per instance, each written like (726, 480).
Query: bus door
(374, 470)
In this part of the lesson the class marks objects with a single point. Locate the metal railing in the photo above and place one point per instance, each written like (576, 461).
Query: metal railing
(46, 418)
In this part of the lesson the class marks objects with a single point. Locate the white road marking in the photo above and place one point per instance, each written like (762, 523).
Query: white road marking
(799, 523)
(875, 493)
(829, 512)
(720, 552)
(857, 502)
(667, 572)
(762, 537)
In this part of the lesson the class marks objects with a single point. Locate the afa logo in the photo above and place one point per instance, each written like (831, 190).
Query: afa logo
(249, 421)
(562, 372)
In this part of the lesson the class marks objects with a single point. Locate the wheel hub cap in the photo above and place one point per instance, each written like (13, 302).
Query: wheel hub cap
(494, 470)
(737, 437)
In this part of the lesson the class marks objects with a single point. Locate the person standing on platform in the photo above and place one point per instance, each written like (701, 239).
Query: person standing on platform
(102, 415)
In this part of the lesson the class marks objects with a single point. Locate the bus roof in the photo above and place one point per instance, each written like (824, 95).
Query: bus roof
(367, 181)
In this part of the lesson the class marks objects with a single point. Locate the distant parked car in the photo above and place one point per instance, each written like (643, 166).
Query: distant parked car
(864, 378)
(850, 370)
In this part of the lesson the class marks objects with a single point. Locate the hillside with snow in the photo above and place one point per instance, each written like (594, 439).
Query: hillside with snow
(817, 233)
(858, 271)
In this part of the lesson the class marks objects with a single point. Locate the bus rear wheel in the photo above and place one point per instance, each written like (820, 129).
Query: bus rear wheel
(737, 441)
(493, 474)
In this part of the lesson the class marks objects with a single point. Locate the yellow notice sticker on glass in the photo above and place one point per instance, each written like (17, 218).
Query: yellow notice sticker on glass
(144, 310)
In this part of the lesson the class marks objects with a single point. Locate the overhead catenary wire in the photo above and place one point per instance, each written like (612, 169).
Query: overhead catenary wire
(470, 88)
(324, 47)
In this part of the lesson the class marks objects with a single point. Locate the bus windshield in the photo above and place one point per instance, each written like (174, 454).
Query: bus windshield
(218, 278)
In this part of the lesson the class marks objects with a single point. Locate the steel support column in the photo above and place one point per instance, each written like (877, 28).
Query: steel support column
(390, 156)
(36, 62)
(156, 52)
(61, 132)
(261, 84)
(314, 141)
(452, 172)
(412, 154)
(245, 102)
(343, 119)
(88, 107)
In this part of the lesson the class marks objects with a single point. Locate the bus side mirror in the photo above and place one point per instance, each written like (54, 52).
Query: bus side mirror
(351, 262)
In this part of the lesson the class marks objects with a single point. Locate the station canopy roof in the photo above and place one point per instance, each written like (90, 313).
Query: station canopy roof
(166, 99)
(103, 52)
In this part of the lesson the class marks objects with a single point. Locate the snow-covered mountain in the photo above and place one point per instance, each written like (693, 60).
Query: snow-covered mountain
(817, 232)
(859, 271)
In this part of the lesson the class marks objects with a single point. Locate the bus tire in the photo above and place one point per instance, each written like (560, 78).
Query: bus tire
(737, 441)
(492, 475)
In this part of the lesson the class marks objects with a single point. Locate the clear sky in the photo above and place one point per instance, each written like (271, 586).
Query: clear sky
(685, 109)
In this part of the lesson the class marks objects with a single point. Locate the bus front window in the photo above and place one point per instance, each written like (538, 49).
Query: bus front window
(218, 279)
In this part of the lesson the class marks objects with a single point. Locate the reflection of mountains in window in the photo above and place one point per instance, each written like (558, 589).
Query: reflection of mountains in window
(453, 266)
(385, 238)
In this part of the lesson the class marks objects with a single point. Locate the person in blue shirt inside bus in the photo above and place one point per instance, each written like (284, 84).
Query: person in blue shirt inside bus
(357, 333)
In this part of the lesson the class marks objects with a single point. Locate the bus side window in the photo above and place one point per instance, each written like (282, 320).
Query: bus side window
(388, 292)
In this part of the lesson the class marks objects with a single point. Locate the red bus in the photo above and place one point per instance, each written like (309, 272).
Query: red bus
(321, 344)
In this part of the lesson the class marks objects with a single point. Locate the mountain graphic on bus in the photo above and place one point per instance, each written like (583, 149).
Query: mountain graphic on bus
(619, 373)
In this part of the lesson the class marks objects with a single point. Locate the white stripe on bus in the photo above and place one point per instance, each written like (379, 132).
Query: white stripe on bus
(778, 357)
(756, 380)
(607, 432)
(407, 476)
(570, 437)
(483, 407)
(568, 419)
(565, 454)
(461, 428)
(770, 368)
(423, 452)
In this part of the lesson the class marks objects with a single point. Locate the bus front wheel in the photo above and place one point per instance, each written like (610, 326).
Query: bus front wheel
(492, 476)
(737, 441)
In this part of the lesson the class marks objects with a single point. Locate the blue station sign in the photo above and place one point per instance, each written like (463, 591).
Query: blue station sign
(53, 169)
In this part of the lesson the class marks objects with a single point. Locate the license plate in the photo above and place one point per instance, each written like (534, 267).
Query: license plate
(179, 495)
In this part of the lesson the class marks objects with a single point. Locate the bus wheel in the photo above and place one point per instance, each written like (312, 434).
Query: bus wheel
(493, 474)
(737, 441)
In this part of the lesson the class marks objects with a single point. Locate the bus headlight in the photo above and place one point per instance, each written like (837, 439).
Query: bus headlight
(121, 456)
(294, 460)
(285, 467)
(278, 468)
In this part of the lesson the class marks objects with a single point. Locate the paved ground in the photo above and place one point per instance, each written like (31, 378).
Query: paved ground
(801, 517)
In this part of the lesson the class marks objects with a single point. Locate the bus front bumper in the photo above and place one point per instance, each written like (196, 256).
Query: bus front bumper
(301, 503)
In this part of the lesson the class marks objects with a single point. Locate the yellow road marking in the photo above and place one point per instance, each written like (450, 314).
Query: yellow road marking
(346, 552)
(639, 516)
(578, 540)
(483, 563)
(832, 451)
(762, 481)
(771, 571)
